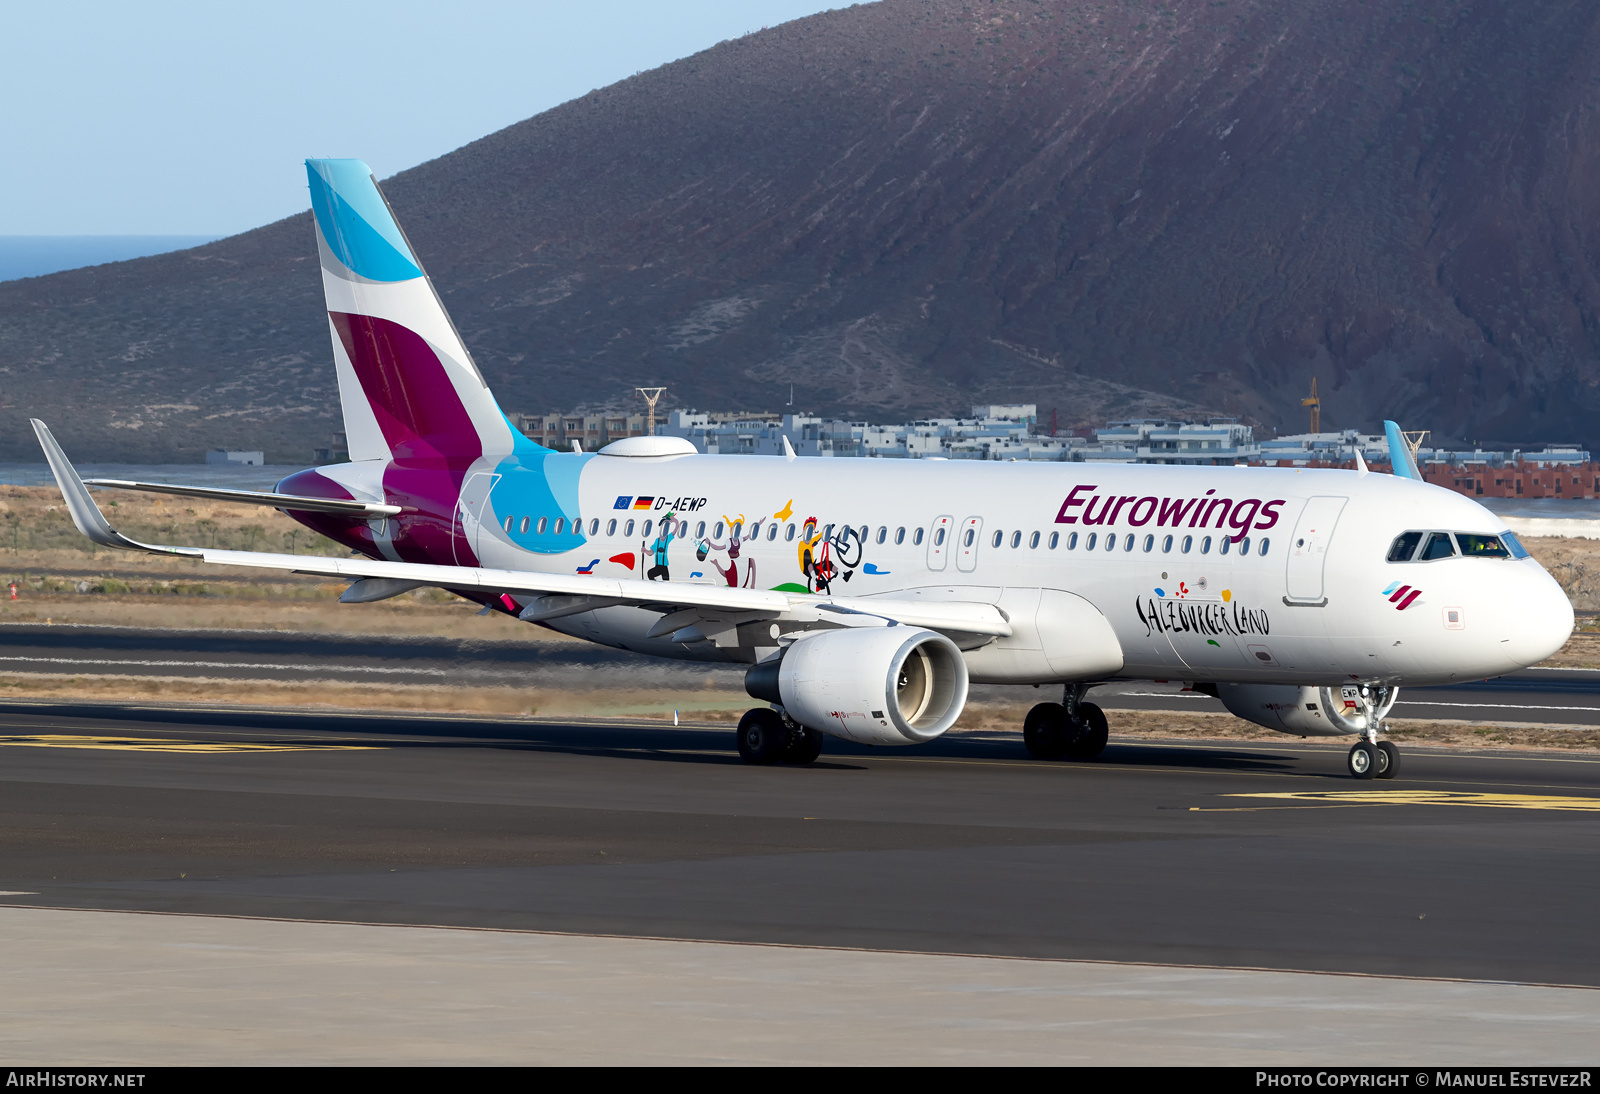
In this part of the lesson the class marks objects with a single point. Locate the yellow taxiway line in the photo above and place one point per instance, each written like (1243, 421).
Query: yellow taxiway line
(158, 744)
(1434, 797)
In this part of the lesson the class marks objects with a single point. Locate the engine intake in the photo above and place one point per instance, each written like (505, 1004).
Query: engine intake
(876, 686)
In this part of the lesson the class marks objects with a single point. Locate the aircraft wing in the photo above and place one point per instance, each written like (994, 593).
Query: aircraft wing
(691, 611)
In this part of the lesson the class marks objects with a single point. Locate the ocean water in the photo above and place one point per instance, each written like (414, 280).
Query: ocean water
(33, 256)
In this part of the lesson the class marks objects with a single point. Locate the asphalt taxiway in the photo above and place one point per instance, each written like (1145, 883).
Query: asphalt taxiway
(1475, 865)
(1535, 696)
(192, 884)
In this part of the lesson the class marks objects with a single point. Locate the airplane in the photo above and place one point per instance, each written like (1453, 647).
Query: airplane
(863, 597)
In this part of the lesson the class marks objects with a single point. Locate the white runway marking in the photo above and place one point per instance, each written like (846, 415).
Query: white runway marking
(378, 669)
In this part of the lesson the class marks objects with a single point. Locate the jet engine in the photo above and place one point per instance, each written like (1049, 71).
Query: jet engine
(871, 685)
(1308, 711)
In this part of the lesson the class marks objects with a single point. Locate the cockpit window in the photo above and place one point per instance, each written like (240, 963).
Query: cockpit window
(1438, 546)
(1514, 545)
(1481, 546)
(1404, 546)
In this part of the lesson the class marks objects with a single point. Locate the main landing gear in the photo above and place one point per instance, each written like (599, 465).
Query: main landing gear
(1071, 729)
(767, 737)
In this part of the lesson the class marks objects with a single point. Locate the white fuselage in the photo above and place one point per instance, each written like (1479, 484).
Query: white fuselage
(1302, 594)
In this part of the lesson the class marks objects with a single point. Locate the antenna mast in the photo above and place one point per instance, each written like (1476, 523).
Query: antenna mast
(1315, 404)
(651, 396)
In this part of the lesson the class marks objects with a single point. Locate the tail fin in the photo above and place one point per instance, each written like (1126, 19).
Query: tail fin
(408, 385)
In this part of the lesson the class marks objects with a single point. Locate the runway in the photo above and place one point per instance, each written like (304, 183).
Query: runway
(1158, 853)
(1536, 696)
(171, 876)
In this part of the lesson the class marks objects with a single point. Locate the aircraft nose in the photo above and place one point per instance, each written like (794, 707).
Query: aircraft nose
(1540, 622)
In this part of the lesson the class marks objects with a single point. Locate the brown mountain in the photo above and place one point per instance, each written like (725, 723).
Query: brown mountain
(901, 208)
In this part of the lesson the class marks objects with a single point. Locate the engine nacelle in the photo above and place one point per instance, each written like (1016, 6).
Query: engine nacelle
(1307, 711)
(871, 685)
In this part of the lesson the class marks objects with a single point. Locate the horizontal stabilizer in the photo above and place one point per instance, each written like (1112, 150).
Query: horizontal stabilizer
(255, 497)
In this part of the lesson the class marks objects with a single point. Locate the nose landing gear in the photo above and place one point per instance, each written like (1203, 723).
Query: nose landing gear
(1071, 729)
(1360, 709)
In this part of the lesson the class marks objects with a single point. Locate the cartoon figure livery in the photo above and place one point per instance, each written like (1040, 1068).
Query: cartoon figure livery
(1303, 599)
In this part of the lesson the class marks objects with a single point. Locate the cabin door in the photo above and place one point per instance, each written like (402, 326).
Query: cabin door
(1308, 550)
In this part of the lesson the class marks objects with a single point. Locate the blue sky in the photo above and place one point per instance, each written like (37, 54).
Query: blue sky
(186, 118)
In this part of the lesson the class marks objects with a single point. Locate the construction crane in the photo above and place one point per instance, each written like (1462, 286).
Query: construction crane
(1315, 404)
(651, 396)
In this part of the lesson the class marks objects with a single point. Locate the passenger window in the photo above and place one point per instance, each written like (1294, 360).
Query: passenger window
(1223, 545)
(1188, 542)
(1166, 545)
(1088, 544)
(561, 524)
(508, 524)
(1033, 541)
(1205, 545)
(611, 527)
(700, 530)
(627, 529)
(788, 534)
(883, 534)
(998, 536)
(594, 526)
(737, 531)
(1127, 544)
(1438, 546)
(968, 541)
(1481, 546)
(1149, 544)
(916, 538)
(1244, 545)
(1404, 546)
(543, 523)
(827, 534)
(899, 536)
(716, 533)
(645, 531)
(1265, 543)
(772, 532)
(1016, 540)
(938, 538)
(1111, 541)
(1072, 540)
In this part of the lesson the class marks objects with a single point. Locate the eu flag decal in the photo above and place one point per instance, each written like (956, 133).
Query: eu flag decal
(623, 501)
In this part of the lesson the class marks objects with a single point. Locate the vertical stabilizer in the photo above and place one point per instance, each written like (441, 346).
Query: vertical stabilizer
(408, 385)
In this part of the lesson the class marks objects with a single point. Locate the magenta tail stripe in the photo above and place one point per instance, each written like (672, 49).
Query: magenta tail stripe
(1407, 602)
(410, 392)
(1401, 591)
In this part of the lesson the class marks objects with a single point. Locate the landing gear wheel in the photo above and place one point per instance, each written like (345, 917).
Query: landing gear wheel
(1044, 731)
(1093, 731)
(805, 745)
(1363, 761)
(763, 736)
(1388, 760)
